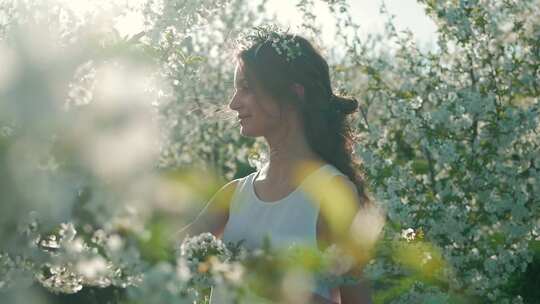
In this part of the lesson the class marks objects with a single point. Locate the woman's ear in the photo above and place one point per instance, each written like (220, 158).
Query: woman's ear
(298, 90)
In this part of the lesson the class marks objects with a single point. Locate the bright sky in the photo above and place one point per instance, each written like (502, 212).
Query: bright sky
(408, 14)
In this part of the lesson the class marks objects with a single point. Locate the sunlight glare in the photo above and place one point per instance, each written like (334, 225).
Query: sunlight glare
(129, 24)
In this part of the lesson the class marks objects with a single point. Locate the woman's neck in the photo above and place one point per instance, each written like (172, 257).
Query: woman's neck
(286, 153)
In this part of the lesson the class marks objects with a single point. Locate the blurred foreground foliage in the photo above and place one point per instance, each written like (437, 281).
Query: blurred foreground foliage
(110, 144)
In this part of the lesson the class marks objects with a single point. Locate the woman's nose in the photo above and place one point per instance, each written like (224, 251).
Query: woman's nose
(234, 104)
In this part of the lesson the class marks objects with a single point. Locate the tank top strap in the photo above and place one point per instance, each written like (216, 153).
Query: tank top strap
(321, 177)
(242, 190)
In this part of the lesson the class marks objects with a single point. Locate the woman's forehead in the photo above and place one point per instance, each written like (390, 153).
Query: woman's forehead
(240, 75)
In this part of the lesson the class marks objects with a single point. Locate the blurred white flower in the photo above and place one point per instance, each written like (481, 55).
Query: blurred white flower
(59, 279)
(9, 62)
(200, 254)
(338, 261)
(408, 234)
(367, 226)
(115, 242)
(182, 269)
(75, 246)
(92, 268)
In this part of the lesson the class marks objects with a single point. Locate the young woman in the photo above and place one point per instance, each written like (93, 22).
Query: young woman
(283, 93)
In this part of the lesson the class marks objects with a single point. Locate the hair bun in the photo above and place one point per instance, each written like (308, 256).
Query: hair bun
(345, 105)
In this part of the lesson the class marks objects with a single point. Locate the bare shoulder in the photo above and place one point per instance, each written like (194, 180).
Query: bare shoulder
(343, 190)
(345, 182)
(223, 196)
(215, 214)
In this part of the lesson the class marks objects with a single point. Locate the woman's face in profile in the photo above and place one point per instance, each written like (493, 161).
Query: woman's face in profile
(259, 115)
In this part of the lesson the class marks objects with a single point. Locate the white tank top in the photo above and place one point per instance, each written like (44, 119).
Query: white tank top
(292, 219)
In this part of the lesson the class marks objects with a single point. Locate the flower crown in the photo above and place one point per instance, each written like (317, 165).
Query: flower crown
(279, 39)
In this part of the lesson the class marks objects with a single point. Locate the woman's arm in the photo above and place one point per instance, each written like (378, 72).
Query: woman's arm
(213, 217)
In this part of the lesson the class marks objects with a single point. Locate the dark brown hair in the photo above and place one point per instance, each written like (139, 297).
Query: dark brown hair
(324, 114)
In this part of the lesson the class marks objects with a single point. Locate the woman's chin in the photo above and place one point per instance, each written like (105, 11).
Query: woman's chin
(245, 133)
(248, 133)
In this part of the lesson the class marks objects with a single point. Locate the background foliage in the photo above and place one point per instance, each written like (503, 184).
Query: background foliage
(110, 144)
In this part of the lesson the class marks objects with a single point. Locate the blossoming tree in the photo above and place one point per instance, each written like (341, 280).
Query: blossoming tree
(97, 132)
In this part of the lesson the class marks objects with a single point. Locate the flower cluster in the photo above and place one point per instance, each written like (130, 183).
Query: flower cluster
(283, 42)
(206, 261)
(200, 256)
(59, 279)
(68, 262)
